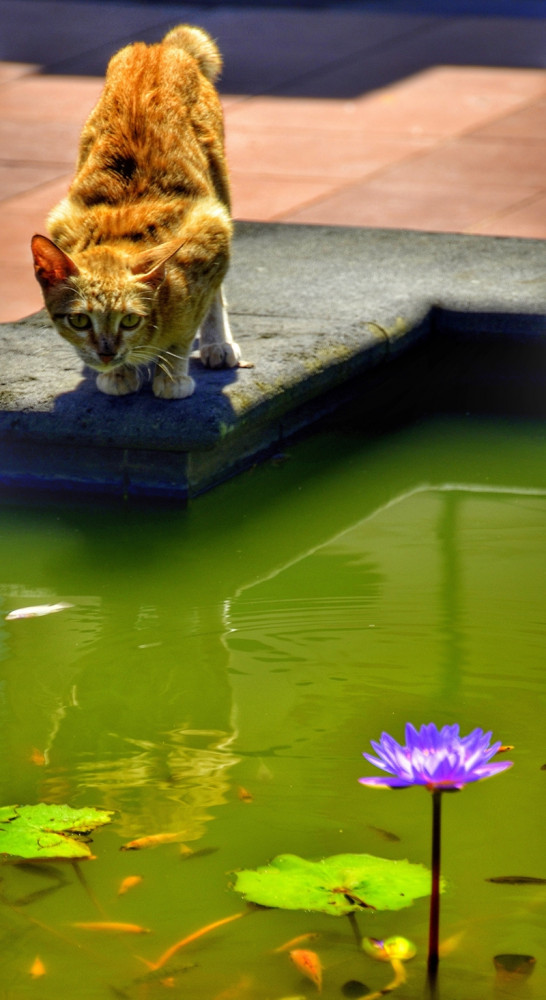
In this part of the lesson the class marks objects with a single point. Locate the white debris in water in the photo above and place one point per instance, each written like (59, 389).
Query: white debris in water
(37, 611)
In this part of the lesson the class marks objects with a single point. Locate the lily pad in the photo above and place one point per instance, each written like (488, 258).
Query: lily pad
(48, 831)
(342, 884)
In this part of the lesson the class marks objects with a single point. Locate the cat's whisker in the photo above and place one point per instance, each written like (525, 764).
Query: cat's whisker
(165, 361)
(149, 354)
(180, 357)
(144, 349)
(166, 371)
(143, 356)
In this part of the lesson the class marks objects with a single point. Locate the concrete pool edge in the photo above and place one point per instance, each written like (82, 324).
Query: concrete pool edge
(326, 315)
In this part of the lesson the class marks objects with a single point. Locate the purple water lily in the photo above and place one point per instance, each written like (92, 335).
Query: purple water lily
(440, 759)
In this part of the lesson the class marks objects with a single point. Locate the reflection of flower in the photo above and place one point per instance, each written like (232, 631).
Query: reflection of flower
(440, 759)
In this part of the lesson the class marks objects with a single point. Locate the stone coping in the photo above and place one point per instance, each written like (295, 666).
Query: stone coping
(326, 315)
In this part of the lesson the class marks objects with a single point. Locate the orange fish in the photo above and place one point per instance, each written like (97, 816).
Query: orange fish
(450, 944)
(193, 937)
(37, 968)
(37, 757)
(289, 945)
(153, 840)
(241, 988)
(244, 795)
(111, 926)
(308, 963)
(128, 883)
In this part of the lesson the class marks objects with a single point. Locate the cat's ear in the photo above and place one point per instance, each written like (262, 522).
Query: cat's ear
(51, 265)
(150, 267)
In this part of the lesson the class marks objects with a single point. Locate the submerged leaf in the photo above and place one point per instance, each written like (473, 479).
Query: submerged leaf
(354, 988)
(48, 831)
(514, 965)
(337, 885)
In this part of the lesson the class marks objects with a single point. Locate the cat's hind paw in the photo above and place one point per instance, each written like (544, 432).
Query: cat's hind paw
(220, 355)
(173, 387)
(119, 382)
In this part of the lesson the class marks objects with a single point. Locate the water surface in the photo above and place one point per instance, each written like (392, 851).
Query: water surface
(255, 643)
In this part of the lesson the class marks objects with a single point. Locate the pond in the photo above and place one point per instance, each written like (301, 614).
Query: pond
(217, 678)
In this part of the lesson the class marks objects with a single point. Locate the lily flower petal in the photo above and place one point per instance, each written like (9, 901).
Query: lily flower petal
(437, 758)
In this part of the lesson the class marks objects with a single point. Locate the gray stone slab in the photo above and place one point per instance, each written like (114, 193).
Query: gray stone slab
(325, 315)
(319, 311)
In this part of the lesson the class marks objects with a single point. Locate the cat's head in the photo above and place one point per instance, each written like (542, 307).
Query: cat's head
(102, 301)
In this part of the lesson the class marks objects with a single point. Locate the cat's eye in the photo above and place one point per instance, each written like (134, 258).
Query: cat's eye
(130, 321)
(79, 321)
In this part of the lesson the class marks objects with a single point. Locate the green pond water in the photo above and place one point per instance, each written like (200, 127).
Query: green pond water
(255, 643)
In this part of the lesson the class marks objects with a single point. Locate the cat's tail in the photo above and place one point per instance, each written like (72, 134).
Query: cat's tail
(198, 43)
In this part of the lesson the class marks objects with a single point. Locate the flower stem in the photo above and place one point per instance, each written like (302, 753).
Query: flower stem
(434, 923)
(355, 928)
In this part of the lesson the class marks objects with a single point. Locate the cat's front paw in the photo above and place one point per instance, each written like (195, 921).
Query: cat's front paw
(173, 387)
(220, 355)
(119, 382)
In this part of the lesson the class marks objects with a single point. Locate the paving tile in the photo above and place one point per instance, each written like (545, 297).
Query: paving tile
(264, 198)
(26, 214)
(527, 123)
(375, 119)
(283, 46)
(18, 178)
(14, 71)
(435, 208)
(441, 101)
(50, 98)
(485, 41)
(264, 48)
(40, 142)
(309, 153)
(528, 219)
(48, 32)
(476, 162)
(446, 41)
(20, 292)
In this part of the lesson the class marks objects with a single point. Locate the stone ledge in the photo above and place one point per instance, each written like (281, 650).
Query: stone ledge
(325, 314)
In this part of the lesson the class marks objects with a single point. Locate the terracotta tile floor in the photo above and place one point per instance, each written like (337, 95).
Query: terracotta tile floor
(450, 148)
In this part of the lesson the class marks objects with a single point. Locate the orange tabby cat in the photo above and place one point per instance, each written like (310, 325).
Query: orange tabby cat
(141, 242)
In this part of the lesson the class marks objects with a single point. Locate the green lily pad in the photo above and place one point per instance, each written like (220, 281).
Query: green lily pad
(48, 831)
(342, 884)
